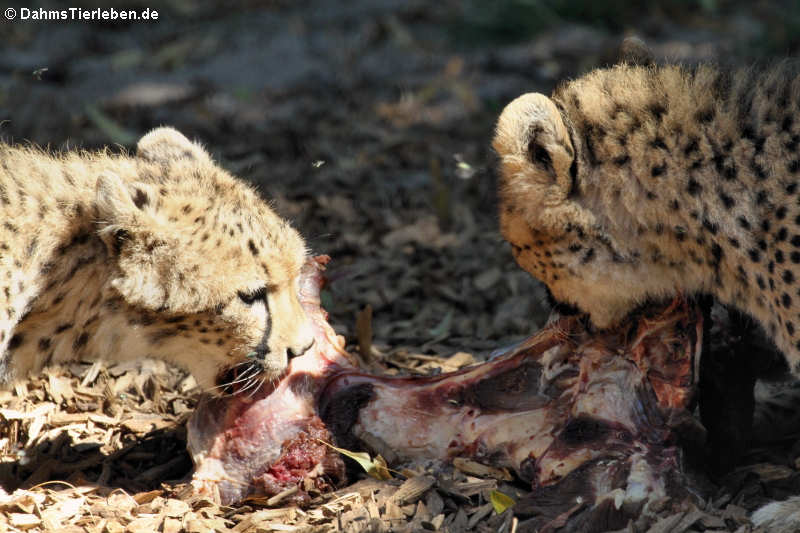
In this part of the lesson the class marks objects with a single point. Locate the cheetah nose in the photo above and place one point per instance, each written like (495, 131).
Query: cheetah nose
(292, 354)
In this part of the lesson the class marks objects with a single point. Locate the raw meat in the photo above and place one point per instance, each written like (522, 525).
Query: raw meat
(590, 419)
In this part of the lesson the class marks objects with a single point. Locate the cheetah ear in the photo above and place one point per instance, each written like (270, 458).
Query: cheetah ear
(634, 51)
(121, 209)
(164, 145)
(117, 200)
(532, 140)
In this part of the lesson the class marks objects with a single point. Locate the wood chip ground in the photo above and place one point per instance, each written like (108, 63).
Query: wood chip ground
(368, 122)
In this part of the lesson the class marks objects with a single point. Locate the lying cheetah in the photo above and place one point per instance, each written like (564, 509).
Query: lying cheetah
(160, 254)
(635, 183)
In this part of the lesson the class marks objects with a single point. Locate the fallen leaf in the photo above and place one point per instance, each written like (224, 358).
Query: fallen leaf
(375, 468)
(500, 501)
(468, 466)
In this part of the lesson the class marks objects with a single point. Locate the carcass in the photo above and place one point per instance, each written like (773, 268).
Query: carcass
(591, 420)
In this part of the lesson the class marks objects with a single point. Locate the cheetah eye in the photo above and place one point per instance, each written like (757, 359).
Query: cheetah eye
(252, 297)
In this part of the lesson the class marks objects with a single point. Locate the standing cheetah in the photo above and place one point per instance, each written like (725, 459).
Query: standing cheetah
(636, 183)
(160, 254)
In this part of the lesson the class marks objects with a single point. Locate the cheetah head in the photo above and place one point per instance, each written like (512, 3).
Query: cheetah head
(553, 215)
(206, 271)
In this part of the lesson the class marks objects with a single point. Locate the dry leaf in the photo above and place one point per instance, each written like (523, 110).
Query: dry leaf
(468, 466)
(147, 497)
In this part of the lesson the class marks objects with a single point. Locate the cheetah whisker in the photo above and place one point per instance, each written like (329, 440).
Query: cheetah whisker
(239, 379)
(250, 385)
(242, 379)
(250, 371)
(256, 389)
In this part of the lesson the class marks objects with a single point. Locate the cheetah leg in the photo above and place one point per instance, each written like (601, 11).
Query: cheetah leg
(726, 394)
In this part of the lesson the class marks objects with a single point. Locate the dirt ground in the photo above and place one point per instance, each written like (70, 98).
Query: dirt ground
(368, 123)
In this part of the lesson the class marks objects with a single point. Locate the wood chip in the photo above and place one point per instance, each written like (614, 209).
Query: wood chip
(92, 373)
(145, 524)
(60, 388)
(175, 508)
(421, 513)
(487, 279)
(690, 519)
(437, 521)
(480, 513)
(666, 524)
(171, 525)
(459, 521)
(413, 489)
(467, 489)
(24, 520)
(196, 526)
(771, 472)
(459, 360)
(39, 411)
(145, 424)
(114, 527)
(372, 509)
(393, 511)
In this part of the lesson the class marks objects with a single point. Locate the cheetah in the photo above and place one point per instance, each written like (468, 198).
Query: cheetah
(642, 182)
(635, 183)
(158, 254)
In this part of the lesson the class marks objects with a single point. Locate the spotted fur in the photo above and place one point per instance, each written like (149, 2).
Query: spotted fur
(160, 254)
(640, 182)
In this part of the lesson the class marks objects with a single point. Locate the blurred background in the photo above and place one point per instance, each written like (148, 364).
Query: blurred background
(367, 122)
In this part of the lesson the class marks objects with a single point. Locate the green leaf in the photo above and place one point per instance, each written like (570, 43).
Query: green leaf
(500, 501)
(111, 129)
(442, 329)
